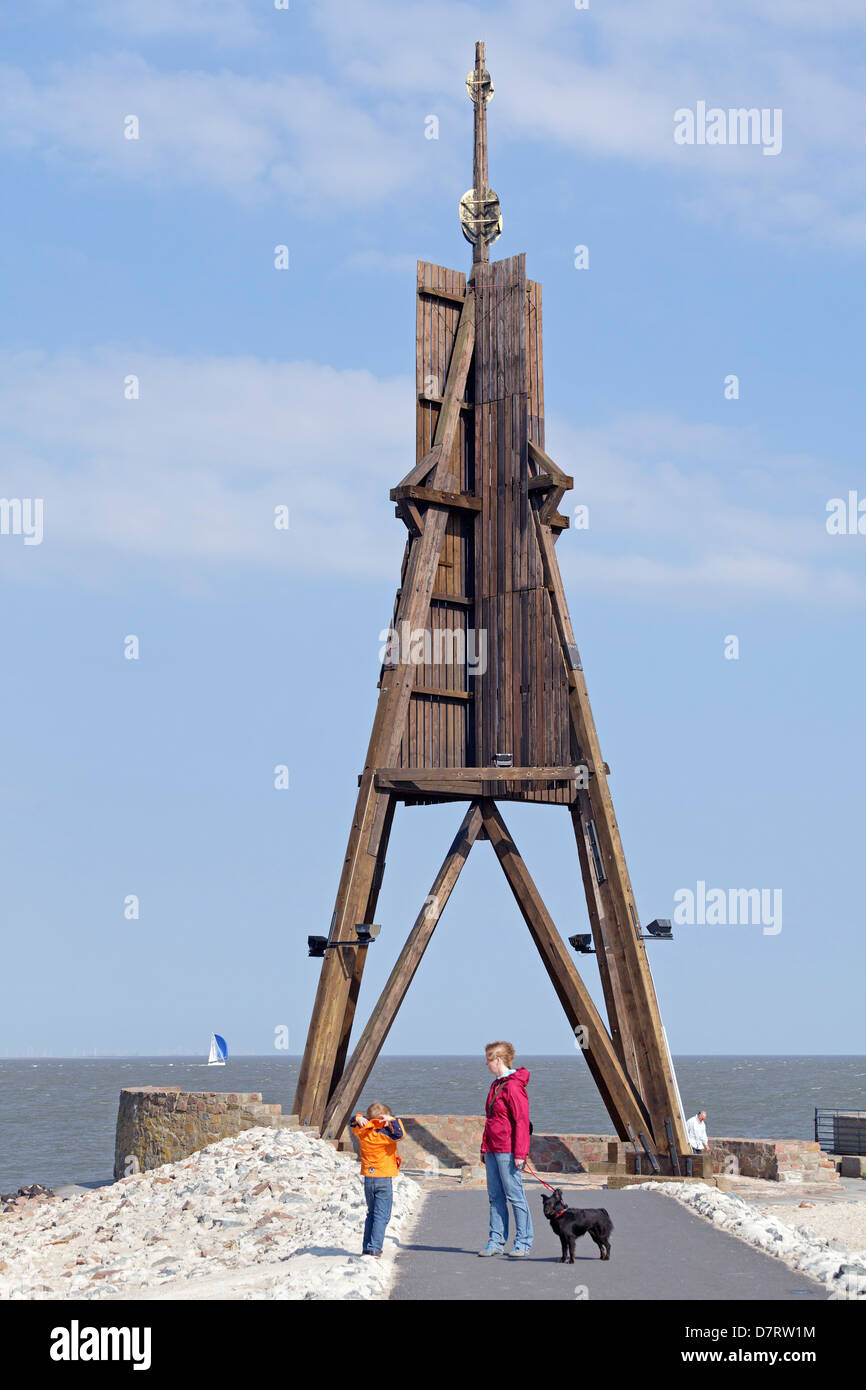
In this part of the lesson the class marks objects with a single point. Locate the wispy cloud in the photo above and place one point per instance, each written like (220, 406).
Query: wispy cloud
(605, 81)
(695, 513)
(295, 136)
(190, 473)
(210, 21)
(185, 481)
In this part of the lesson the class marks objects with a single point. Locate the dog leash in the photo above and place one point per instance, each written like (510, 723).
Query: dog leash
(543, 1183)
(537, 1178)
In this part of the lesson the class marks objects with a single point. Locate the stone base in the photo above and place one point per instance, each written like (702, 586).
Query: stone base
(157, 1125)
(163, 1124)
(701, 1165)
(853, 1165)
(617, 1180)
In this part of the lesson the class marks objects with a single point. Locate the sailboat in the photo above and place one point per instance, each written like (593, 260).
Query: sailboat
(218, 1051)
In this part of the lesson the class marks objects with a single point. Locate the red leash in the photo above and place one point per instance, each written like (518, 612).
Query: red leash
(537, 1178)
(543, 1183)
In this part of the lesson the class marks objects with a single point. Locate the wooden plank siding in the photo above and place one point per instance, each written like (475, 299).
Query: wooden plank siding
(521, 704)
(438, 731)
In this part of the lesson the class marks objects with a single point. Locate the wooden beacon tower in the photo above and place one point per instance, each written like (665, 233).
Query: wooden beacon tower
(482, 696)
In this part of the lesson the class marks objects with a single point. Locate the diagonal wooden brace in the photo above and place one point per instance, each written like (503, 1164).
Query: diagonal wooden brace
(340, 978)
(345, 1097)
(619, 1095)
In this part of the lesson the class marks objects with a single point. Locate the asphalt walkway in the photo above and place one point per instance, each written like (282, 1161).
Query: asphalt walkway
(659, 1250)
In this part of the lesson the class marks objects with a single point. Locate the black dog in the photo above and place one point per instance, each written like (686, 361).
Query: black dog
(570, 1223)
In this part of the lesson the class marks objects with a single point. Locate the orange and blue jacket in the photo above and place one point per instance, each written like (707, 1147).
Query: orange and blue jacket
(378, 1142)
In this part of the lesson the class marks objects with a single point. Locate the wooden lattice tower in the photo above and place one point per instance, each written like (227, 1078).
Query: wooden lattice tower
(480, 568)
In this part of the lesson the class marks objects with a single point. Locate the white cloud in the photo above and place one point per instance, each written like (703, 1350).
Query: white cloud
(213, 21)
(602, 82)
(699, 512)
(293, 135)
(184, 482)
(192, 471)
(607, 82)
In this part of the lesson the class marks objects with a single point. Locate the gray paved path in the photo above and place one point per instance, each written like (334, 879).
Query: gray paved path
(659, 1250)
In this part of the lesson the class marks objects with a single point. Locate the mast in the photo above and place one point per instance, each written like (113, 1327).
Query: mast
(479, 154)
(480, 212)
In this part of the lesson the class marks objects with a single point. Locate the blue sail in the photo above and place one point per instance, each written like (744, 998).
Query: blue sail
(222, 1047)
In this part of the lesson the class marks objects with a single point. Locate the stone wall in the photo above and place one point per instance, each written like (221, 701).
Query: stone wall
(448, 1142)
(157, 1125)
(162, 1124)
(437, 1142)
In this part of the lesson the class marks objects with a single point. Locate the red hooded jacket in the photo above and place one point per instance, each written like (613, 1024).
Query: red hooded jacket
(507, 1108)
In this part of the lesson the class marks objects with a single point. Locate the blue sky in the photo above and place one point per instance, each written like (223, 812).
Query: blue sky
(155, 258)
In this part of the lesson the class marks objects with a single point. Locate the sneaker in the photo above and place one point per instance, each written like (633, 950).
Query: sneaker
(492, 1250)
(520, 1254)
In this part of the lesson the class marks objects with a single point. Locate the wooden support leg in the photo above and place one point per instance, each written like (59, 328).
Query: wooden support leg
(616, 996)
(622, 1101)
(368, 915)
(342, 969)
(353, 1080)
(639, 1018)
(340, 979)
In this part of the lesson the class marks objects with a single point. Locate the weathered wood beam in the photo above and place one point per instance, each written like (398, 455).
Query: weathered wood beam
(339, 981)
(459, 600)
(346, 1093)
(439, 694)
(439, 401)
(419, 775)
(380, 836)
(553, 478)
(411, 516)
(424, 466)
(617, 1091)
(639, 1018)
(442, 294)
(460, 501)
(545, 462)
(471, 790)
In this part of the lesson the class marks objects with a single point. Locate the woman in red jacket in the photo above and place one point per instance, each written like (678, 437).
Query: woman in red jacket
(505, 1149)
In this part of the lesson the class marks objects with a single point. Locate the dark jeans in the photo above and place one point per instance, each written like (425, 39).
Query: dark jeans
(379, 1193)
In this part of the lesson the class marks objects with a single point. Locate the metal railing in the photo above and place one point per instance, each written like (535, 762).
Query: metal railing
(841, 1131)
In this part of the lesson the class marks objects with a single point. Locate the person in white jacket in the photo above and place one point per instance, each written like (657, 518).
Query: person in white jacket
(696, 1132)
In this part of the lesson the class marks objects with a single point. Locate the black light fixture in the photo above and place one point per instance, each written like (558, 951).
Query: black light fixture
(365, 932)
(660, 929)
(582, 943)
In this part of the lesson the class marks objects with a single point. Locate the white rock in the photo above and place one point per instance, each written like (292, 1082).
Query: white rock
(204, 1230)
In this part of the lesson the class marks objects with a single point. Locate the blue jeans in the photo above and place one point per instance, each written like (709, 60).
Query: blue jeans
(380, 1195)
(504, 1185)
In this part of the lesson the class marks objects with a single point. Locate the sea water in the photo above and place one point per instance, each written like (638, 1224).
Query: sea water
(58, 1115)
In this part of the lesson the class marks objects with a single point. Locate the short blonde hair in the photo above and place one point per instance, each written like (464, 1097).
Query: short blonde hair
(376, 1109)
(505, 1050)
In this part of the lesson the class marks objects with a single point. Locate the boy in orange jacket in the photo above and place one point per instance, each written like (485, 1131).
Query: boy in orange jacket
(378, 1133)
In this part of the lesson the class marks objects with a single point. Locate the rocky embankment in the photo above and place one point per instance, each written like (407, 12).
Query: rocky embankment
(839, 1265)
(270, 1213)
(14, 1201)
